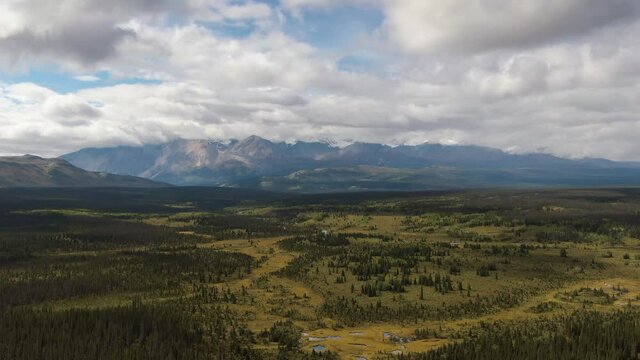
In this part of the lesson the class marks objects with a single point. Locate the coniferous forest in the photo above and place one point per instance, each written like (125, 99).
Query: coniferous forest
(194, 274)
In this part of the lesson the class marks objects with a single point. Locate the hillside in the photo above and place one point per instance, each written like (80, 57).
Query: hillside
(33, 171)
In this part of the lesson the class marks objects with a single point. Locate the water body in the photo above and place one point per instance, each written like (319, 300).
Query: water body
(330, 337)
(318, 348)
(313, 338)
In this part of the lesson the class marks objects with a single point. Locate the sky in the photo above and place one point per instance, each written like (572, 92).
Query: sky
(553, 76)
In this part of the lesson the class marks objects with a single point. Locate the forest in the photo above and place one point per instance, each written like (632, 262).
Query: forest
(202, 273)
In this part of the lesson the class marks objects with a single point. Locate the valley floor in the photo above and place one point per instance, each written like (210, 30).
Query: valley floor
(403, 277)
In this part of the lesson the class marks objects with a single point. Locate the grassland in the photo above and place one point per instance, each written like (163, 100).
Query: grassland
(359, 276)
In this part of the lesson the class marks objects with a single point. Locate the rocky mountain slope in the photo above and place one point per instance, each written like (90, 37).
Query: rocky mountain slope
(316, 166)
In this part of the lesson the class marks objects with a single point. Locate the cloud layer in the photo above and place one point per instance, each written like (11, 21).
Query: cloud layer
(553, 76)
(480, 25)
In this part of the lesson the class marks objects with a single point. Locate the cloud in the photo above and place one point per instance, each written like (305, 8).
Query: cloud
(508, 74)
(483, 25)
(86, 33)
(81, 43)
(249, 11)
(87, 78)
(69, 110)
(80, 31)
(297, 6)
(518, 76)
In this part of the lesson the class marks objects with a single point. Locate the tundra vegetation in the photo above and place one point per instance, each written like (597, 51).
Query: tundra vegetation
(203, 274)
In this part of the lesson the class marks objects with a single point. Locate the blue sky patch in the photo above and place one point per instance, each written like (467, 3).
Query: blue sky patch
(64, 82)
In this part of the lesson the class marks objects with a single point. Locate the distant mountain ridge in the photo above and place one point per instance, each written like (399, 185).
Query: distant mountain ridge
(318, 166)
(34, 171)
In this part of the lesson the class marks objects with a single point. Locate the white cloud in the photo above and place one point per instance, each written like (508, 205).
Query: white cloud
(481, 25)
(250, 11)
(84, 33)
(298, 5)
(86, 78)
(517, 76)
(69, 110)
(494, 73)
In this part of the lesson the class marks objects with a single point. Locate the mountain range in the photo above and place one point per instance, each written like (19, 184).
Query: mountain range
(255, 162)
(33, 171)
